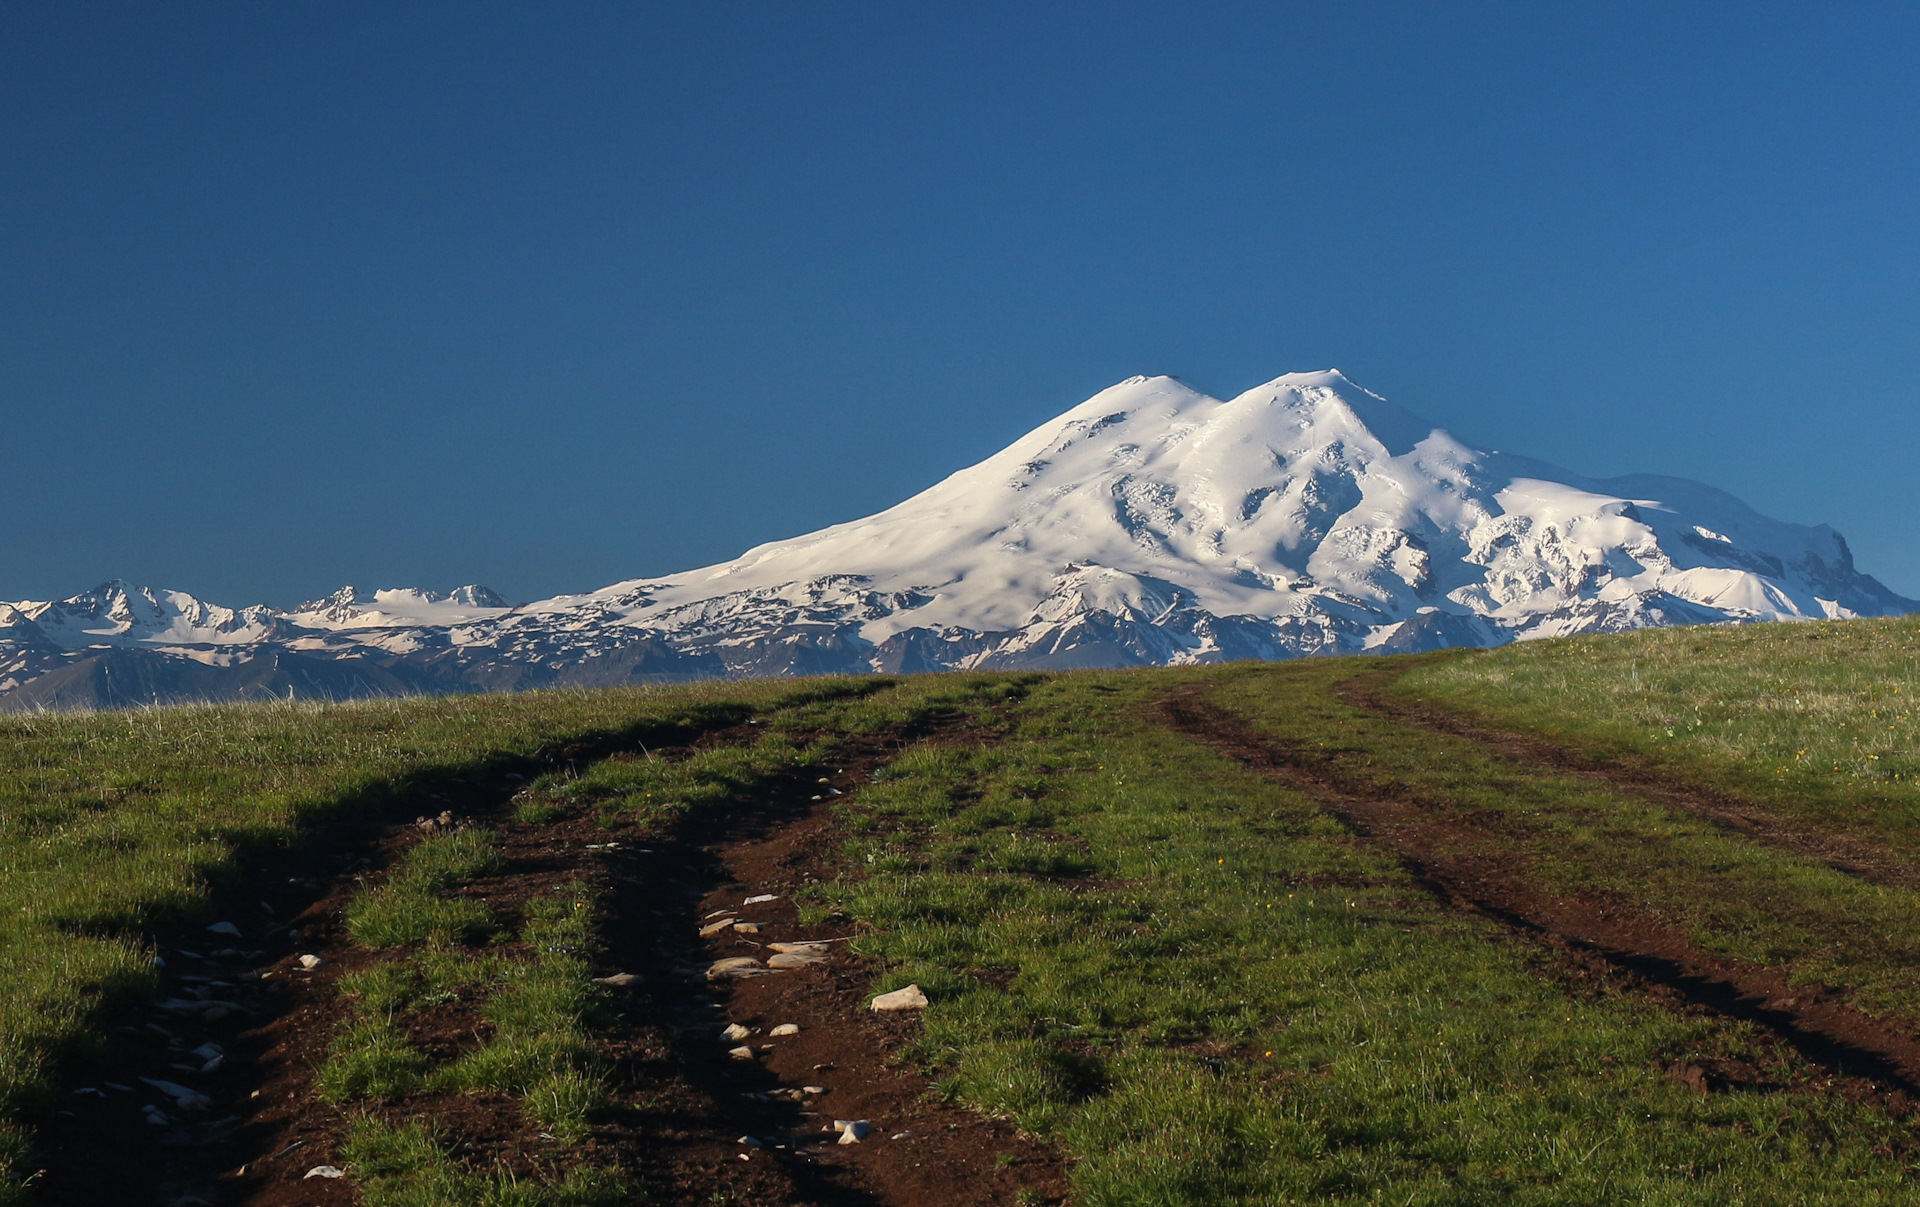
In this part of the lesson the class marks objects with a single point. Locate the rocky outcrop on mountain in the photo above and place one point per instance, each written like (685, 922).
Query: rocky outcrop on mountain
(1149, 525)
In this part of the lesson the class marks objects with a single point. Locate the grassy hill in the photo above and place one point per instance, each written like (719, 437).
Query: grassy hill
(1596, 920)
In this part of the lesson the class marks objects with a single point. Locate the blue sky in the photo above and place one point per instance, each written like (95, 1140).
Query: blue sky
(547, 296)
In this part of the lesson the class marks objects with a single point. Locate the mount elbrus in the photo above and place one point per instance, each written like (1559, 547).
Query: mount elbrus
(1149, 524)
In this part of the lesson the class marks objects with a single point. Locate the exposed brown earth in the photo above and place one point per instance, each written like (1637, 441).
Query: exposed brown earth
(1466, 862)
(685, 1105)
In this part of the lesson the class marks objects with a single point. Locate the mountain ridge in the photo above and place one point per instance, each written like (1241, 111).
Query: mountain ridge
(1151, 523)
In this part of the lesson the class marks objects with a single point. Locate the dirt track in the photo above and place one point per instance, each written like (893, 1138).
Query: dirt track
(688, 1104)
(1473, 869)
(1748, 818)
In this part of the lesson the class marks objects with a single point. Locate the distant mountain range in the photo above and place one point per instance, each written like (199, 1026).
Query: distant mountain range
(1151, 524)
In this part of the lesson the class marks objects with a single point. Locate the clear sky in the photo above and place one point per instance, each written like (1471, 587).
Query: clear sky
(545, 296)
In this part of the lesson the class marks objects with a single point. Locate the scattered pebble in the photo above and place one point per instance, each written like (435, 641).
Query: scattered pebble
(222, 928)
(795, 959)
(762, 897)
(716, 913)
(813, 1089)
(750, 1142)
(619, 980)
(311, 962)
(746, 928)
(852, 1131)
(735, 967)
(807, 948)
(741, 1053)
(186, 1099)
(326, 1171)
(898, 1136)
(713, 928)
(910, 998)
(785, 1029)
(735, 1032)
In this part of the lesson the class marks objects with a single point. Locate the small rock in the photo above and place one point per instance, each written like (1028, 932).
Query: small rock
(852, 1131)
(734, 968)
(716, 913)
(184, 1098)
(311, 962)
(763, 897)
(736, 1032)
(619, 980)
(794, 959)
(813, 1089)
(746, 928)
(898, 1136)
(713, 928)
(224, 928)
(214, 1014)
(750, 1142)
(785, 1029)
(741, 1053)
(326, 1171)
(806, 948)
(910, 998)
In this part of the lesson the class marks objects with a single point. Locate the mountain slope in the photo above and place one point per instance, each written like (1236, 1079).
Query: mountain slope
(1150, 524)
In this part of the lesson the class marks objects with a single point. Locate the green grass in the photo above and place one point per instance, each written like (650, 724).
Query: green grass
(408, 1166)
(413, 907)
(1206, 990)
(1820, 720)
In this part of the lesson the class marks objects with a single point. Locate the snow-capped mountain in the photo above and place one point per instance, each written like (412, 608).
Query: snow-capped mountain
(1150, 524)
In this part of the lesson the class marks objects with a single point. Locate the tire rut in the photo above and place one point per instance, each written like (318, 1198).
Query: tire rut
(1475, 870)
(1747, 818)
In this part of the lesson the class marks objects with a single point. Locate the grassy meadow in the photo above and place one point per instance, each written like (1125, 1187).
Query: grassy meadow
(1192, 978)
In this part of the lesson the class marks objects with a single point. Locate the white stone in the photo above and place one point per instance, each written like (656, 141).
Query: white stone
(741, 1053)
(619, 980)
(326, 1171)
(762, 898)
(785, 1029)
(735, 1032)
(311, 962)
(910, 998)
